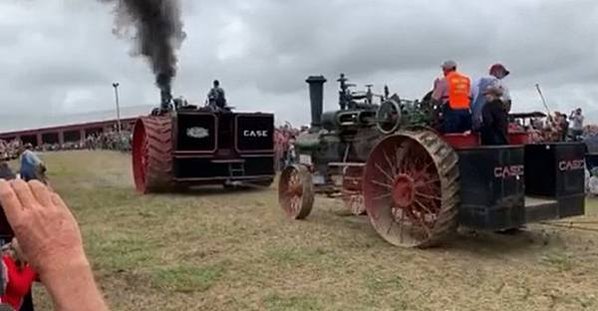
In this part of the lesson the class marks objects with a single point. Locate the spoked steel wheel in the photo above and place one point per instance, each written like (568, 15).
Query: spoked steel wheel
(352, 193)
(296, 191)
(411, 189)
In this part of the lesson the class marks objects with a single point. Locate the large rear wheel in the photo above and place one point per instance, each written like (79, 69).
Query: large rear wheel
(296, 191)
(152, 154)
(411, 189)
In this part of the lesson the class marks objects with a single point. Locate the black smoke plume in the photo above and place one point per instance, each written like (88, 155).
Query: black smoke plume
(158, 34)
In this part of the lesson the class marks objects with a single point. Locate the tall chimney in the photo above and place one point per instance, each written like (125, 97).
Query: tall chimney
(316, 97)
(166, 97)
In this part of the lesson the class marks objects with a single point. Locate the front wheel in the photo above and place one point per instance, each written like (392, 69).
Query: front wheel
(296, 191)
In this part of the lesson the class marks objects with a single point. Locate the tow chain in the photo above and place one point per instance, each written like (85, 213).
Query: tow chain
(248, 184)
(572, 225)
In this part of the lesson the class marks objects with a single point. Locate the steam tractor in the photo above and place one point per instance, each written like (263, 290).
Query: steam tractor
(181, 145)
(417, 185)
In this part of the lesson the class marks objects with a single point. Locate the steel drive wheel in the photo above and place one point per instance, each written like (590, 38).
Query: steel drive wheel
(411, 189)
(296, 191)
(352, 193)
(152, 154)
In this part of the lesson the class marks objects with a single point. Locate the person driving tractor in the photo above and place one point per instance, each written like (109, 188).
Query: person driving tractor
(216, 96)
(452, 93)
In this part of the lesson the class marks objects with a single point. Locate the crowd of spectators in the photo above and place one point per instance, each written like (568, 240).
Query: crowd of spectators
(284, 138)
(554, 129)
(541, 129)
(9, 150)
(102, 141)
(110, 141)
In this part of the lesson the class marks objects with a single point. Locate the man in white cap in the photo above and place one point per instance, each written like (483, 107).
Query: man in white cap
(453, 92)
(495, 78)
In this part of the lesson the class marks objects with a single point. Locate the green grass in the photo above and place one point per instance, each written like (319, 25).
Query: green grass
(187, 278)
(217, 250)
(376, 283)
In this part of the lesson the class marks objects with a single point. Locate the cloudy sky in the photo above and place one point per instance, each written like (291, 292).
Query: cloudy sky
(60, 57)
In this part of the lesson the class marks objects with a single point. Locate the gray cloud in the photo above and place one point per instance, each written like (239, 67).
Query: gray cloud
(60, 56)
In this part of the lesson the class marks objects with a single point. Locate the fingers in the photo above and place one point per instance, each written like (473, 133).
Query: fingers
(41, 193)
(57, 201)
(10, 202)
(60, 205)
(21, 188)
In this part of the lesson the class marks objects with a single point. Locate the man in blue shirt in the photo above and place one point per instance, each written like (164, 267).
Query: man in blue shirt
(31, 165)
(498, 73)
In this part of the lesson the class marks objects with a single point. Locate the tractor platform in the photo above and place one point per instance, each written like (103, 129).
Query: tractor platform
(541, 209)
(507, 187)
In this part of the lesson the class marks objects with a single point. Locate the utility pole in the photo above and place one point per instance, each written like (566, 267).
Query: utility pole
(115, 85)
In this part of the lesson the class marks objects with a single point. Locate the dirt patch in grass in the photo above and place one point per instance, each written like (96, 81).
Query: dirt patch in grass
(233, 250)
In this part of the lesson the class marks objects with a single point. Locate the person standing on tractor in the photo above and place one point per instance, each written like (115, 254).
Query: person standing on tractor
(216, 96)
(576, 119)
(494, 118)
(453, 92)
(495, 78)
(564, 126)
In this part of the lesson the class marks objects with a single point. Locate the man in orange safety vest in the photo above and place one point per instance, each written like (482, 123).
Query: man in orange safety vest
(453, 93)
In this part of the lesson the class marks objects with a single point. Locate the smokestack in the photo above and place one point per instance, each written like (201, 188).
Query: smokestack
(166, 98)
(316, 97)
(158, 35)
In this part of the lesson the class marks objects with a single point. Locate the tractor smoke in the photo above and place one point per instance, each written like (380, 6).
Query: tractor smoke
(158, 35)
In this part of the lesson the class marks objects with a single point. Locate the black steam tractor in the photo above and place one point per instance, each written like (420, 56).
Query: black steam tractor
(181, 145)
(417, 185)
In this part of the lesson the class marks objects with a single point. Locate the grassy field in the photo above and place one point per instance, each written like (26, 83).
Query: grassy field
(216, 250)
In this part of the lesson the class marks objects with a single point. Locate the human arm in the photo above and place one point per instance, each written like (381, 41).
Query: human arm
(72, 286)
(437, 91)
(475, 90)
(36, 160)
(51, 242)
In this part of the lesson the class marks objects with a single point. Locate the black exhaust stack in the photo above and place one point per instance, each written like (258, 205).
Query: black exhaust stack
(166, 98)
(316, 97)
